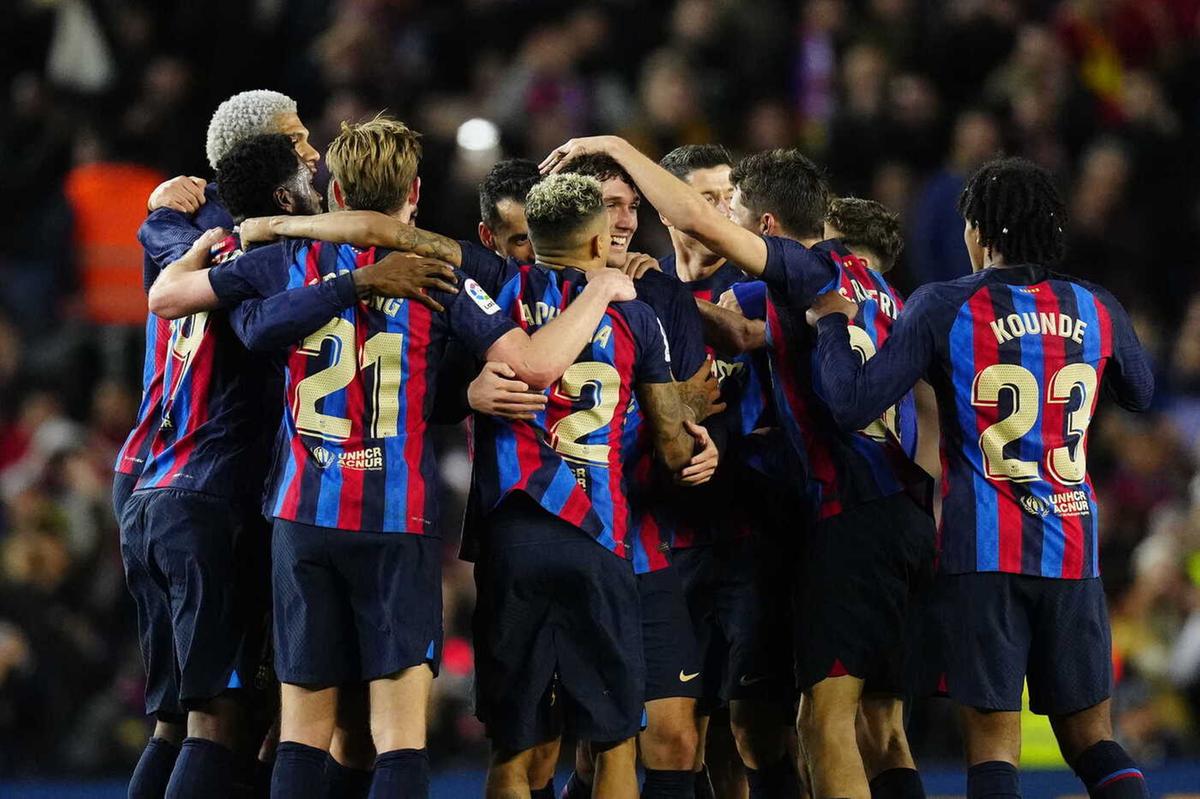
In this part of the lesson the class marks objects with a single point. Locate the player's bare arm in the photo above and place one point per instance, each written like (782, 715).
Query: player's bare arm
(540, 359)
(678, 202)
(360, 228)
(667, 413)
(928, 454)
(729, 332)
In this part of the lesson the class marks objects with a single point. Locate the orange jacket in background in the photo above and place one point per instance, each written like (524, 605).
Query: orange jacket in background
(109, 204)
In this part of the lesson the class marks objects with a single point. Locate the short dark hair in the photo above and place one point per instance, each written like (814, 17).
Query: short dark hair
(600, 166)
(250, 172)
(560, 205)
(1017, 210)
(684, 160)
(866, 223)
(510, 179)
(786, 184)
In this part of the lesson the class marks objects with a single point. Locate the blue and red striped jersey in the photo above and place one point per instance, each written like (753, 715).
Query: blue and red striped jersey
(652, 496)
(213, 425)
(844, 469)
(353, 450)
(1016, 357)
(165, 236)
(574, 458)
(135, 450)
(745, 390)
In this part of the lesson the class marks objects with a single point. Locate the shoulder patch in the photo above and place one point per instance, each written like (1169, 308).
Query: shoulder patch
(480, 297)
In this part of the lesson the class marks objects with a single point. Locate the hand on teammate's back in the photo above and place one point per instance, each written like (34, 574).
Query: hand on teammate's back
(498, 392)
(402, 274)
(183, 194)
(830, 302)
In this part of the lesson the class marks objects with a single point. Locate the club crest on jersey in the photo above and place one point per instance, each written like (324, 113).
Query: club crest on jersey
(480, 297)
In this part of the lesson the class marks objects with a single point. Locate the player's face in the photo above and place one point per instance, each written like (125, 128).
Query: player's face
(742, 215)
(307, 199)
(714, 185)
(511, 234)
(621, 202)
(974, 248)
(291, 126)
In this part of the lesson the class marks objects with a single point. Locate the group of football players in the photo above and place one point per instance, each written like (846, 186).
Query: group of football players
(701, 512)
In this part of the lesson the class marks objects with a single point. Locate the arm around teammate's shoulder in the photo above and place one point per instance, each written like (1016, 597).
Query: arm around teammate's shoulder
(182, 288)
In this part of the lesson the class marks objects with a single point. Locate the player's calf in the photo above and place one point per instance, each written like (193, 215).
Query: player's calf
(1106, 769)
(889, 764)
(827, 728)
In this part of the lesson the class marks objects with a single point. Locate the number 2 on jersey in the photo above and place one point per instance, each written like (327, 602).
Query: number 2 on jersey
(1067, 465)
(568, 432)
(382, 354)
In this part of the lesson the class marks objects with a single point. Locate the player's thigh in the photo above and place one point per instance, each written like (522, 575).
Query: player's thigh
(990, 735)
(306, 714)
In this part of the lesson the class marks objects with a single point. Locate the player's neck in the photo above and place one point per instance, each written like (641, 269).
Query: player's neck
(691, 266)
(559, 262)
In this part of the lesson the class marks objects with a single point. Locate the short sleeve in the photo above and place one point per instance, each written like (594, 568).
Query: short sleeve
(653, 363)
(795, 273)
(676, 310)
(475, 318)
(486, 267)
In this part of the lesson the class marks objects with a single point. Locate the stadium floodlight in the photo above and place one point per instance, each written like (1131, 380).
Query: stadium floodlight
(478, 134)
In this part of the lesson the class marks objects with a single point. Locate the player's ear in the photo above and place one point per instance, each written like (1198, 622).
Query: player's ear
(486, 237)
(337, 200)
(414, 192)
(597, 248)
(284, 201)
(766, 225)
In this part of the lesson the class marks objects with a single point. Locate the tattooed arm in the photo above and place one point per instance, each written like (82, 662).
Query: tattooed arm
(361, 228)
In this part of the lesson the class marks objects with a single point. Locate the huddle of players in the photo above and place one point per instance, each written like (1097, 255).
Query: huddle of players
(587, 431)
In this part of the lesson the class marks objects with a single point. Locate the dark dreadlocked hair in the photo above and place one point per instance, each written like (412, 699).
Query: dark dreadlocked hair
(250, 172)
(1018, 211)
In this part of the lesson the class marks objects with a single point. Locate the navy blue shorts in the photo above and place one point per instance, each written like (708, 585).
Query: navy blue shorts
(1003, 629)
(354, 606)
(558, 632)
(197, 568)
(673, 666)
(862, 572)
(737, 595)
(123, 485)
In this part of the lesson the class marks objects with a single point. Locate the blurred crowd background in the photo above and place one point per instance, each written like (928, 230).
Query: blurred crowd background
(900, 99)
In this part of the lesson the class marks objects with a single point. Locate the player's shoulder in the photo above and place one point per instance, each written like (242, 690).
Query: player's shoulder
(657, 286)
(668, 266)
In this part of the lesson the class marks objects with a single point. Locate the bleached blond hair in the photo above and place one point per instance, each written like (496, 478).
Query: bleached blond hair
(375, 163)
(560, 205)
(244, 115)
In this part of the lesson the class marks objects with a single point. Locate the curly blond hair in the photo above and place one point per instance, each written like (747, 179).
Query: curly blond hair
(560, 205)
(244, 115)
(375, 163)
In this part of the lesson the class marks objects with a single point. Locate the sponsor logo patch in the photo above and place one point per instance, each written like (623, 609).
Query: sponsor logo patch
(480, 297)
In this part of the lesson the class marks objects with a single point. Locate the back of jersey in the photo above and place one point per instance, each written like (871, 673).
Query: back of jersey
(353, 453)
(1026, 354)
(572, 458)
(211, 413)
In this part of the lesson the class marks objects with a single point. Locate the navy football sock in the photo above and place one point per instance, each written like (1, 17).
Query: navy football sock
(897, 783)
(545, 792)
(1110, 773)
(777, 781)
(299, 772)
(576, 788)
(401, 774)
(994, 779)
(204, 769)
(669, 784)
(343, 782)
(703, 782)
(153, 770)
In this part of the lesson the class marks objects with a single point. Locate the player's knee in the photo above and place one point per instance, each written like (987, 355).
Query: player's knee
(217, 720)
(670, 746)
(353, 747)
